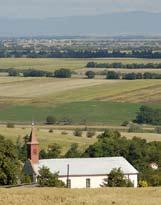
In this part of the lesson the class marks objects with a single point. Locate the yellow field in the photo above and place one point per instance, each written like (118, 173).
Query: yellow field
(50, 64)
(102, 196)
(45, 138)
(51, 91)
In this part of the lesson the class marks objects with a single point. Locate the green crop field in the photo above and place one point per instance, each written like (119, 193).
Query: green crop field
(102, 196)
(50, 64)
(93, 101)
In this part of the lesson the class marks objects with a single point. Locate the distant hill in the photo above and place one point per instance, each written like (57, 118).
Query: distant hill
(107, 24)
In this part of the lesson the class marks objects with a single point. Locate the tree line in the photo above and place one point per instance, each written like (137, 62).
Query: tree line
(78, 53)
(123, 65)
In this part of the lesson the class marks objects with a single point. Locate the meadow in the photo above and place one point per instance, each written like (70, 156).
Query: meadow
(103, 196)
(51, 64)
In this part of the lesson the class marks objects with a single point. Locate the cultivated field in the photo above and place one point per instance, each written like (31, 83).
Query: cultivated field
(94, 101)
(103, 196)
(50, 64)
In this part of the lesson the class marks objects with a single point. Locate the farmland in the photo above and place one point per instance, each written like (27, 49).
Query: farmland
(50, 64)
(108, 196)
(93, 101)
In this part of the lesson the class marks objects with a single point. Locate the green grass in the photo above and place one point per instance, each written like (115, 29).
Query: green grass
(113, 113)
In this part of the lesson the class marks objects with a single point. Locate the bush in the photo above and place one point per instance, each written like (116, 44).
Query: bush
(143, 183)
(63, 73)
(77, 132)
(51, 130)
(64, 133)
(90, 74)
(10, 125)
(50, 120)
(125, 123)
(47, 179)
(135, 128)
(158, 130)
(116, 179)
(90, 134)
(112, 75)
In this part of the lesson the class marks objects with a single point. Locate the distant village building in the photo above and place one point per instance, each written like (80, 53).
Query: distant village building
(77, 172)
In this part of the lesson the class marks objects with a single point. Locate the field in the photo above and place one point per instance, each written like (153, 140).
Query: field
(108, 196)
(50, 64)
(81, 100)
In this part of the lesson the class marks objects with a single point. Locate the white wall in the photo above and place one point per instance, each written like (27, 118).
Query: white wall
(96, 181)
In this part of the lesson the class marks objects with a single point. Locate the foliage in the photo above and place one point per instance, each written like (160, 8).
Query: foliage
(47, 179)
(112, 75)
(22, 148)
(158, 130)
(137, 151)
(10, 125)
(73, 152)
(77, 132)
(143, 183)
(50, 120)
(148, 115)
(63, 73)
(53, 151)
(116, 179)
(9, 164)
(125, 123)
(90, 134)
(135, 128)
(90, 74)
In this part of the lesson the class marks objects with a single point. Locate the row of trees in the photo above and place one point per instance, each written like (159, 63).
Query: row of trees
(74, 53)
(61, 73)
(132, 76)
(123, 65)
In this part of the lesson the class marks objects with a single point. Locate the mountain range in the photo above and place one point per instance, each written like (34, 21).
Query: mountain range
(141, 23)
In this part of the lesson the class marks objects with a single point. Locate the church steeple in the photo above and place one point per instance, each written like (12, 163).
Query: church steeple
(33, 146)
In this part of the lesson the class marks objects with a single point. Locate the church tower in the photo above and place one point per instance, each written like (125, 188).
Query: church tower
(33, 147)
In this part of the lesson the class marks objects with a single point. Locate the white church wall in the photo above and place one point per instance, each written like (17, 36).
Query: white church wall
(95, 181)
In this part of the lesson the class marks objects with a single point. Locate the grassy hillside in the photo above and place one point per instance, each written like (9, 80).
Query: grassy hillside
(50, 64)
(95, 112)
(108, 196)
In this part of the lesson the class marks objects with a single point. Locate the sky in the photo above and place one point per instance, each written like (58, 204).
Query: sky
(60, 8)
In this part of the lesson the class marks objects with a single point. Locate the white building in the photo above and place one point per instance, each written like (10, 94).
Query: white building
(78, 172)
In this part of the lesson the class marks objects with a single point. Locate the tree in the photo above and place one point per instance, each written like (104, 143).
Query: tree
(116, 179)
(54, 151)
(73, 152)
(63, 73)
(90, 74)
(50, 120)
(9, 164)
(47, 179)
(112, 75)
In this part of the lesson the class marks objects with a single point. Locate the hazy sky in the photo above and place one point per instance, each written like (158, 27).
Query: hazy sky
(52, 8)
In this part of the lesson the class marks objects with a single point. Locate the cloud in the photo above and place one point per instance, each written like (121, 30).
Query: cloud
(52, 8)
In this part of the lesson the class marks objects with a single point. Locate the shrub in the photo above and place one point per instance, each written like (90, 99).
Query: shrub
(77, 132)
(51, 130)
(64, 133)
(90, 134)
(50, 120)
(47, 179)
(112, 75)
(135, 128)
(90, 74)
(125, 123)
(143, 183)
(10, 125)
(116, 179)
(158, 130)
(63, 73)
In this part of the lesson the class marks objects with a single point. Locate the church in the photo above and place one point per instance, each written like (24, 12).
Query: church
(76, 172)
